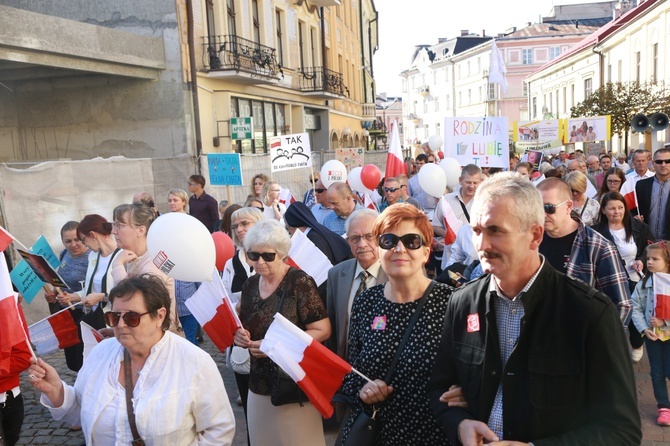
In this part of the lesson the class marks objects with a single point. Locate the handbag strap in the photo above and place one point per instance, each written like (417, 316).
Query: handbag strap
(137, 440)
(283, 295)
(408, 331)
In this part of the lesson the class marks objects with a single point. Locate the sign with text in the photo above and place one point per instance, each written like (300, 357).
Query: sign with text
(590, 129)
(241, 128)
(42, 248)
(44, 271)
(225, 169)
(480, 141)
(351, 157)
(26, 281)
(290, 152)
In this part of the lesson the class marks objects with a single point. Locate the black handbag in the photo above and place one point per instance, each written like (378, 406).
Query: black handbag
(283, 390)
(365, 428)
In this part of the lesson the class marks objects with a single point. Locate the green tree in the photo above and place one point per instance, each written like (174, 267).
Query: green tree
(622, 101)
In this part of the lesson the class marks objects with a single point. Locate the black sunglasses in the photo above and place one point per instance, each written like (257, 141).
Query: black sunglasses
(258, 207)
(130, 318)
(320, 191)
(551, 208)
(409, 241)
(391, 189)
(267, 256)
(662, 161)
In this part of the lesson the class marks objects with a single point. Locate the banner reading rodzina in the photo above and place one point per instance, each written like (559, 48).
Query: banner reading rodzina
(480, 141)
(290, 152)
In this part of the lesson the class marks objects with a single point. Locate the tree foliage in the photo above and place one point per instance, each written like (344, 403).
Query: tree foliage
(622, 101)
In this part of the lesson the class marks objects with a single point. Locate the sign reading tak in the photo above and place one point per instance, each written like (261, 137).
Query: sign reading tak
(290, 152)
(479, 141)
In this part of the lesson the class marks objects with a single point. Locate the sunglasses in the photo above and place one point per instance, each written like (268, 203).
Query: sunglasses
(320, 191)
(551, 208)
(409, 241)
(391, 189)
(130, 318)
(662, 161)
(267, 256)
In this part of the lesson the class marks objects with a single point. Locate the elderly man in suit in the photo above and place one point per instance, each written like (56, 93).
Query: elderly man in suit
(349, 278)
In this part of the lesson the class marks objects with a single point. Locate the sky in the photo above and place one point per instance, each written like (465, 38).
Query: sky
(404, 24)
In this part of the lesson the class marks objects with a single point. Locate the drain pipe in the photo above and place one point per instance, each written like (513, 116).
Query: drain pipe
(194, 84)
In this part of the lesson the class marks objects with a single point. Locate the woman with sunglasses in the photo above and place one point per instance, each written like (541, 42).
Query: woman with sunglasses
(587, 208)
(130, 228)
(186, 406)
(277, 287)
(380, 318)
(630, 236)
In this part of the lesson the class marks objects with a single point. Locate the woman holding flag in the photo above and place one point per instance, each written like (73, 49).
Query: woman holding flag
(277, 287)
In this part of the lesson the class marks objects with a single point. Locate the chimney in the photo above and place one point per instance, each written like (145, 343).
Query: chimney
(465, 32)
(576, 23)
(483, 33)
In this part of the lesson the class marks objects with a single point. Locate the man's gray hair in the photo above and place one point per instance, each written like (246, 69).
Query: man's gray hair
(357, 215)
(528, 205)
(268, 232)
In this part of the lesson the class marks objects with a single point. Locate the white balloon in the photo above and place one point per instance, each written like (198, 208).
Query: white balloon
(452, 170)
(333, 171)
(182, 247)
(435, 142)
(432, 180)
(355, 183)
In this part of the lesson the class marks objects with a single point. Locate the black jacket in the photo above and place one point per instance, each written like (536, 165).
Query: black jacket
(643, 190)
(642, 235)
(569, 379)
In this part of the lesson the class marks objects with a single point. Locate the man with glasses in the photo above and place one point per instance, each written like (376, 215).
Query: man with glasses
(392, 193)
(427, 202)
(404, 192)
(320, 209)
(202, 206)
(653, 194)
(578, 251)
(348, 279)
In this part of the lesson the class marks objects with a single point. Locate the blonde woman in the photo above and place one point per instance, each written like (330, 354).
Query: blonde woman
(272, 207)
(587, 208)
(178, 200)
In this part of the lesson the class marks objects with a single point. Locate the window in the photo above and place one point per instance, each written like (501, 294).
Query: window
(404, 85)
(211, 29)
(654, 68)
(460, 98)
(425, 106)
(448, 102)
(557, 108)
(230, 8)
(534, 107)
(565, 99)
(527, 56)
(588, 87)
(492, 92)
(572, 95)
(446, 74)
(619, 69)
(279, 44)
(268, 122)
(551, 103)
(257, 23)
(437, 103)
(469, 96)
(301, 48)
(480, 94)
(437, 128)
(524, 90)
(414, 107)
(468, 70)
(554, 52)
(609, 72)
(312, 42)
(638, 66)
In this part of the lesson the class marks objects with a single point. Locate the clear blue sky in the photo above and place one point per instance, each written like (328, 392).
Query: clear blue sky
(404, 24)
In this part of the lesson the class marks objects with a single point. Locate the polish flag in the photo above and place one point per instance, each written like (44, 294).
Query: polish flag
(12, 330)
(214, 310)
(306, 256)
(317, 371)
(451, 223)
(629, 194)
(90, 337)
(286, 197)
(368, 203)
(394, 161)
(56, 331)
(6, 239)
(662, 293)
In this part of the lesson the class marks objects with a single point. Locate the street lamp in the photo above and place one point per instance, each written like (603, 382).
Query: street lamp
(366, 135)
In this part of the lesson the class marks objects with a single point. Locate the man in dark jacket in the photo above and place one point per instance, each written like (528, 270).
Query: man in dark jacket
(541, 358)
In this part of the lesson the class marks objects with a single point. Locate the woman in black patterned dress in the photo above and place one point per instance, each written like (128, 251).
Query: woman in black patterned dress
(379, 319)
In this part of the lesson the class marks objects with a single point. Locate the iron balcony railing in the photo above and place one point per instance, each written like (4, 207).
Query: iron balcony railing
(230, 52)
(322, 79)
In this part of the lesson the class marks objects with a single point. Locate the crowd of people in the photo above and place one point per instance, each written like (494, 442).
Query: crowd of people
(511, 308)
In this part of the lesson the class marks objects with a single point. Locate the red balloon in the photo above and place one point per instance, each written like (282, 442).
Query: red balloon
(225, 249)
(440, 155)
(371, 176)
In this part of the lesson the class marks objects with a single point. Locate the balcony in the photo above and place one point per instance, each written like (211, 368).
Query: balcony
(322, 83)
(414, 118)
(368, 110)
(245, 60)
(423, 90)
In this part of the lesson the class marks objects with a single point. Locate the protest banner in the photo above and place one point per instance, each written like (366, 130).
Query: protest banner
(26, 281)
(538, 135)
(290, 152)
(44, 271)
(42, 248)
(225, 169)
(351, 157)
(480, 141)
(592, 128)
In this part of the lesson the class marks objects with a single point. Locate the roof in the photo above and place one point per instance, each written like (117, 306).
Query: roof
(556, 29)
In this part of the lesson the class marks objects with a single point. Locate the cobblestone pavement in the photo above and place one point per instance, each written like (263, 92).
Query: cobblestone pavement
(40, 429)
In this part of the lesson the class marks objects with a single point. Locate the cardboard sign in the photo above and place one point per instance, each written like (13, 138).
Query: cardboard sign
(351, 157)
(26, 281)
(480, 141)
(290, 152)
(225, 169)
(42, 248)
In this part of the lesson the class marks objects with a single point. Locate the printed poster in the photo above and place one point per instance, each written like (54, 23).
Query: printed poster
(290, 152)
(590, 129)
(481, 141)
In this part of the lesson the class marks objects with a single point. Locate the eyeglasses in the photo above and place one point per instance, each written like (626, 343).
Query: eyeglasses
(130, 318)
(551, 208)
(275, 190)
(118, 225)
(191, 184)
(267, 256)
(243, 223)
(613, 181)
(662, 161)
(320, 191)
(356, 239)
(409, 241)
(391, 189)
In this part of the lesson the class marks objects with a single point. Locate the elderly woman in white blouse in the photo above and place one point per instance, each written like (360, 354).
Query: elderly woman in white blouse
(186, 406)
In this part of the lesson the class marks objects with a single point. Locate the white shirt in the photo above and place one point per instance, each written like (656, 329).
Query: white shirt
(186, 406)
(319, 212)
(463, 250)
(635, 177)
(228, 274)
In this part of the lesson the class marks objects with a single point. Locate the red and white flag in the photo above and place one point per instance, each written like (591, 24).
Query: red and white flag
(306, 256)
(90, 337)
(215, 312)
(54, 332)
(6, 239)
(662, 294)
(451, 223)
(12, 330)
(286, 197)
(394, 162)
(317, 371)
(369, 203)
(629, 194)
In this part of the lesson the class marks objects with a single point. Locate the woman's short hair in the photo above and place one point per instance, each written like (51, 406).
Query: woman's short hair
(268, 232)
(93, 223)
(401, 212)
(138, 214)
(151, 288)
(69, 226)
(576, 180)
(180, 193)
(261, 176)
(250, 214)
(528, 206)
(227, 219)
(266, 189)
